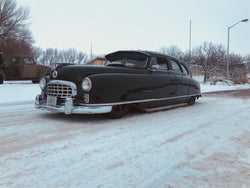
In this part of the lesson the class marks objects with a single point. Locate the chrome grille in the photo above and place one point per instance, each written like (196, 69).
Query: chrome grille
(61, 89)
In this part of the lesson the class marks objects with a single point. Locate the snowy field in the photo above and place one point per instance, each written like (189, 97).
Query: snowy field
(204, 145)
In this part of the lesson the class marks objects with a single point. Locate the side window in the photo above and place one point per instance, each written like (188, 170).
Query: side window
(159, 63)
(153, 62)
(28, 61)
(184, 69)
(175, 66)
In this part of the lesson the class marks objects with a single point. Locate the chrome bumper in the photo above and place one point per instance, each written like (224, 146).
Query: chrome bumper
(69, 108)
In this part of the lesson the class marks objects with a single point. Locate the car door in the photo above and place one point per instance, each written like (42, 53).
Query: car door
(29, 68)
(181, 78)
(13, 69)
(163, 80)
(186, 76)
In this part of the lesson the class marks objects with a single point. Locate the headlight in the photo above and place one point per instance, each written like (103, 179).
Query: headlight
(86, 84)
(42, 83)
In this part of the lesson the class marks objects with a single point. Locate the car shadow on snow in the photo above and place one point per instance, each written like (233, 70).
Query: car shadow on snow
(74, 117)
(105, 117)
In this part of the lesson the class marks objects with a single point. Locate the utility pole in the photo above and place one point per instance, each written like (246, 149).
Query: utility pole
(91, 52)
(190, 30)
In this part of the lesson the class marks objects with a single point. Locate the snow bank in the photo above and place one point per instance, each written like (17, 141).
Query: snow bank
(18, 91)
(220, 86)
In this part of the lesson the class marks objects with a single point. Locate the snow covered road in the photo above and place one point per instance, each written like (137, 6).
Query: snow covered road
(205, 145)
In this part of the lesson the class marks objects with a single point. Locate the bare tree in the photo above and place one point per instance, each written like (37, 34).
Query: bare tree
(237, 67)
(70, 55)
(15, 35)
(51, 56)
(12, 20)
(73, 56)
(210, 57)
(82, 58)
(172, 51)
(37, 53)
(247, 62)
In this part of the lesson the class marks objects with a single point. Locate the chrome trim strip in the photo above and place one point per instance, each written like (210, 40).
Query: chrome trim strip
(139, 101)
(76, 110)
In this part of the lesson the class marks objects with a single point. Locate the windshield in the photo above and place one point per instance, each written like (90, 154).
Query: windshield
(131, 60)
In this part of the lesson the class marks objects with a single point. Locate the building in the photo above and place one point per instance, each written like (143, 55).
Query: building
(97, 61)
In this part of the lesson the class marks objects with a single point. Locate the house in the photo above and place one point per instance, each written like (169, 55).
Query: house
(97, 61)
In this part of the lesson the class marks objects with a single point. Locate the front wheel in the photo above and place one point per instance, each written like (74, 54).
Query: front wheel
(191, 100)
(35, 81)
(119, 111)
(1, 79)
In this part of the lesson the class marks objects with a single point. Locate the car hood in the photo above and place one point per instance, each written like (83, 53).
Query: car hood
(76, 73)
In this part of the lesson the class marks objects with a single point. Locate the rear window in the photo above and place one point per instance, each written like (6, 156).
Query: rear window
(27, 60)
(14, 60)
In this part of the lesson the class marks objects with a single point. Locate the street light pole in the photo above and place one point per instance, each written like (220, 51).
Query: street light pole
(190, 25)
(228, 36)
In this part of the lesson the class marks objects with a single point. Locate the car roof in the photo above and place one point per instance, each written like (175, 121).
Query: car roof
(153, 53)
(148, 53)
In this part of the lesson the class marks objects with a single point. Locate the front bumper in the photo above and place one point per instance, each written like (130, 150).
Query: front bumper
(69, 108)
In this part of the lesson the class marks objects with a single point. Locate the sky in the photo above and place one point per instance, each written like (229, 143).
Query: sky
(113, 25)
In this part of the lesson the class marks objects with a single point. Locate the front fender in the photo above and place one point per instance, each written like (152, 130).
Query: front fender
(194, 88)
(113, 87)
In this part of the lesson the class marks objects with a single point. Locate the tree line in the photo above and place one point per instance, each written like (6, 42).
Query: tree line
(52, 56)
(16, 38)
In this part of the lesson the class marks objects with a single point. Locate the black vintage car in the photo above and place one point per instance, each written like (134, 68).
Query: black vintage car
(138, 79)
